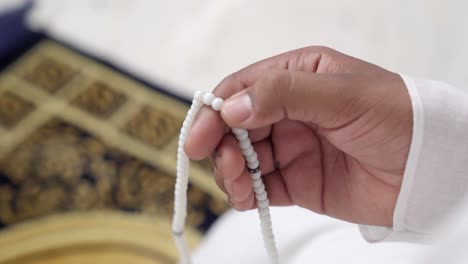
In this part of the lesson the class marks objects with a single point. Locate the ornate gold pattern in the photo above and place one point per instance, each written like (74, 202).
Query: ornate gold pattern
(50, 74)
(13, 109)
(92, 141)
(63, 168)
(154, 126)
(100, 99)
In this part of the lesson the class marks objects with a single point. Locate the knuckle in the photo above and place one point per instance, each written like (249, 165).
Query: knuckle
(228, 79)
(275, 90)
(228, 86)
(321, 49)
(225, 82)
(278, 80)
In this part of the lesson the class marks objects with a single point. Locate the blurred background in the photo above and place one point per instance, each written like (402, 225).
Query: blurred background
(191, 45)
(93, 93)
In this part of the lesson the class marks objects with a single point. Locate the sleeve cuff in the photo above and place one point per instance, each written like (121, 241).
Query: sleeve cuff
(434, 181)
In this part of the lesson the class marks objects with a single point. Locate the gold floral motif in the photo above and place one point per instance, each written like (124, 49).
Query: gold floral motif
(153, 126)
(94, 146)
(141, 185)
(61, 158)
(13, 109)
(130, 189)
(84, 196)
(100, 99)
(50, 74)
(18, 165)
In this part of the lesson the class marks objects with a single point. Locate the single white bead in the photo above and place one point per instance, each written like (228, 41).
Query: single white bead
(190, 121)
(266, 229)
(238, 130)
(197, 106)
(257, 182)
(216, 104)
(196, 103)
(242, 136)
(182, 140)
(252, 157)
(248, 151)
(266, 225)
(245, 144)
(270, 246)
(263, 204)
(264, 211)
(183, 165)
(253, 165)
(260, 188)
(266, 221)
(190, 116)
(199, 96)
(183, 158)
(190, 113)
(256, 175)
(261, 196)
(269, 235)
(208, 98)
(186, 124)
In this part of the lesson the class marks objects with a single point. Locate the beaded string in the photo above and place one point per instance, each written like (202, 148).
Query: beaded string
(253, 166)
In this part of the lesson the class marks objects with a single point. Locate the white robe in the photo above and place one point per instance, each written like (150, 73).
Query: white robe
(429, 219)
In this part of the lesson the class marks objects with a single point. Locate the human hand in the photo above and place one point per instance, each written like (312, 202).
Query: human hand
(332, 134)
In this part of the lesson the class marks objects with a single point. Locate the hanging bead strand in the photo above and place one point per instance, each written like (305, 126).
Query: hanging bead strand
(253, 167)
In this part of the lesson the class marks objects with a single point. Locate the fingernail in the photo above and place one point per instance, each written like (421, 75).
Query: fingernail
(238, 108)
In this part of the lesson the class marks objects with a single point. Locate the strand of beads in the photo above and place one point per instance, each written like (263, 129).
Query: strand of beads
(253, 166)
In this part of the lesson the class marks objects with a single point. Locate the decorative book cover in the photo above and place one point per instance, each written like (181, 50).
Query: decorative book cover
(87, 164)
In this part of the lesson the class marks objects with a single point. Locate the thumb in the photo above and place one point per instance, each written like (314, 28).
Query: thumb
(300, 96)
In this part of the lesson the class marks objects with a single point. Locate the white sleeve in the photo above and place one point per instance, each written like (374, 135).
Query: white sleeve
(436, 175)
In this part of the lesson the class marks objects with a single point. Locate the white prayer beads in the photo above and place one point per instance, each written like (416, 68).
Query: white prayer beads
(253, 166)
